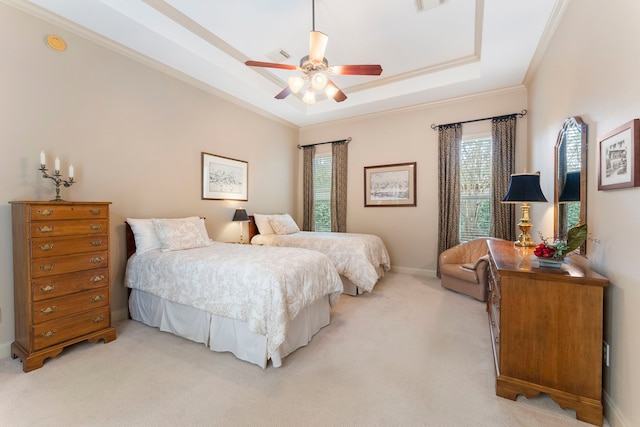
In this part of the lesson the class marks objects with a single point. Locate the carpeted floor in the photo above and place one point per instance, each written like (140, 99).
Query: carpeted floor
(409, 354)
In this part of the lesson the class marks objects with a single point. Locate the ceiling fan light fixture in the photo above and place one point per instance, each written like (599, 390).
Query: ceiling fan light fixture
(295, 83)
(319, 81)
(309, 97)
(330, 91)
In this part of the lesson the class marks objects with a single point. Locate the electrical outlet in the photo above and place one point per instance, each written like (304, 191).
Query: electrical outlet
(605, 353)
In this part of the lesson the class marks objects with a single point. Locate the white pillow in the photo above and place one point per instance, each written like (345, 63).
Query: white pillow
(262, 222)
(144, 234)
(181, 233)
(283, 224)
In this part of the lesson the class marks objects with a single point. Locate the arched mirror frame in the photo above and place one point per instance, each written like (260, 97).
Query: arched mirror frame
(560, 211)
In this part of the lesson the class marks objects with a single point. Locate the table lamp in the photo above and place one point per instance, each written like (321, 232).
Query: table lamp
(524, 188)
(240, 216)
(571, 190)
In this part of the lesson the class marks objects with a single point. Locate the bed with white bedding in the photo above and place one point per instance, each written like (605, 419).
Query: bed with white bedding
(257, 302)
(361, 259)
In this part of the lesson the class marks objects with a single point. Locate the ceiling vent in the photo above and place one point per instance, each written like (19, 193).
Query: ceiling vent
(279, 55)
(423, 5)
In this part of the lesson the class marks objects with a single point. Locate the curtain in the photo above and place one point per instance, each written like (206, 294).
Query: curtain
(503, 135)
(339, 153)
(449, 139)
(308, 220)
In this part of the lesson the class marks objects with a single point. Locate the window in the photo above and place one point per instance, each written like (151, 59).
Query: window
(475, 188)
(322, 164)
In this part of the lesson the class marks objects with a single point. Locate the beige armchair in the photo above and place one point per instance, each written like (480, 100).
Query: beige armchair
(464, 268)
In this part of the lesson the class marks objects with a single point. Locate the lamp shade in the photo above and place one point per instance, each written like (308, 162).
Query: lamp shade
(571, 190)
(524, 187)
(240, 215)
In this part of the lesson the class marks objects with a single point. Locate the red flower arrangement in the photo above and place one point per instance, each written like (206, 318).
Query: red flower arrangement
(560, 248)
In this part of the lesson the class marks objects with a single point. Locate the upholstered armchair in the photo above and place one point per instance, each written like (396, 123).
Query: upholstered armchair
(464, 268)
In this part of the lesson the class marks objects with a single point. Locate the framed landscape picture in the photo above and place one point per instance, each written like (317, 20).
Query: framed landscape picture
(390, 185)
(619, 155)
(224, 178)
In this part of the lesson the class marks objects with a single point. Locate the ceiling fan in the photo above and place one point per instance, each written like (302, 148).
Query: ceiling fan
(315, 68)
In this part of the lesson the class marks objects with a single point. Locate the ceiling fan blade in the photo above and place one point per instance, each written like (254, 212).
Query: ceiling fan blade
(270, 65)
(317, 46)
(284, 93)
(339, 95)
(362, 70)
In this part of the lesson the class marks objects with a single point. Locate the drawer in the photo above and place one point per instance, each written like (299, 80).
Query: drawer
(71, 304)
(64, 228)
(52, 246)
(59, 330)
(56, 211)
(64, 284)
(68, 264)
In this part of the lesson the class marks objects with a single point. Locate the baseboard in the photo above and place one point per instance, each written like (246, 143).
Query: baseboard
(414, 271)
(612, 413)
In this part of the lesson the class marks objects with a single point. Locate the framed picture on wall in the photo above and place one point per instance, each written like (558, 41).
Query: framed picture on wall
(619, 155)
(390, 185)
(224, 178)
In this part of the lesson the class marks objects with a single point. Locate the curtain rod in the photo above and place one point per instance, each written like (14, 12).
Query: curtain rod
(327, 142)
(521, 114)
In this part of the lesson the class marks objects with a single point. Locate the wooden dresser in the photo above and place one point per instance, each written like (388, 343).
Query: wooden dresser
(61, 278)
(546, 329)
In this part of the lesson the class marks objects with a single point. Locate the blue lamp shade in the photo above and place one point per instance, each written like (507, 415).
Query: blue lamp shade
(240, 215)
(571, 190)
(524, 187)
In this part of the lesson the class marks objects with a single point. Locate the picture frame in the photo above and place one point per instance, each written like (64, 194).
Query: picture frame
(224, 178)
(390, 185)
(619, 157)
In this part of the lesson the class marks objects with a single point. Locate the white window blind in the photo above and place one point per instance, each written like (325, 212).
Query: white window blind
(322, 165)
(475, 188)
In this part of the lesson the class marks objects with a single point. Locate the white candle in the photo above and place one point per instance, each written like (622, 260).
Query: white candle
(42, 158)
(57, 164)
(70, 171)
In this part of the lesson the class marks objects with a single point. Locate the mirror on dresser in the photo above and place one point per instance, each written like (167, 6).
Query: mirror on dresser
(570, 192)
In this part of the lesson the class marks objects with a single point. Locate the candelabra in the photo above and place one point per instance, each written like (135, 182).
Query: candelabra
(57, 180)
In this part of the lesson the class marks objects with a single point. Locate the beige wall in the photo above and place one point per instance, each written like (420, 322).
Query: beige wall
(134, 136)
(591, 70)
(410, 233)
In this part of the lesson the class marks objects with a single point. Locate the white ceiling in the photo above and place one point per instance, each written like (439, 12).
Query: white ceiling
(450, 48)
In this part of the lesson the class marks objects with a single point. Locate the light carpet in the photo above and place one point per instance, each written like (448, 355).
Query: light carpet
(409, 354)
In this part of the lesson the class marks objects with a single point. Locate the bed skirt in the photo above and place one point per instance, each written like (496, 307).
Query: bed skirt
(226, 334)
(350, 288)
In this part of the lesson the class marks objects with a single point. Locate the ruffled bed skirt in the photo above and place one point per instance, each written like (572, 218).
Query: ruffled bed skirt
(225, 334)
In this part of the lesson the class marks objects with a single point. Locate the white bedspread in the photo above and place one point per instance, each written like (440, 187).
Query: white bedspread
(355, 256)
(263, 286)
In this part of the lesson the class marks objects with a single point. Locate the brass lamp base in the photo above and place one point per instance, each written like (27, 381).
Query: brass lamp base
(524, 239)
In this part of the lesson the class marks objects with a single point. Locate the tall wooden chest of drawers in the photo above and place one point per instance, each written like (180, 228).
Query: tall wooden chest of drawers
(546, 329)
(62, 292)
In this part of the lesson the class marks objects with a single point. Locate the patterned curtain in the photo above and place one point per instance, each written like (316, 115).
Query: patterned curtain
(339, 153)
(503, 135)
(449, 139)
(308, 220)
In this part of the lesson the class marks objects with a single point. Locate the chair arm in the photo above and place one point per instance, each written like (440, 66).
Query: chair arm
(453, 255)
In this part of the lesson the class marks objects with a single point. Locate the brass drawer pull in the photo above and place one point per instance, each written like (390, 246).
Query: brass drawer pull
(46, 229)
(46, 247)
(95, 211)
(96, 242)
(47, 288)
(98, 319)
(48, 334)
(48, 310)
(96, 279)
(96, 260)
(47, 267)
(45, 212)
(97, 298)
(497, 340)
(95, 226)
